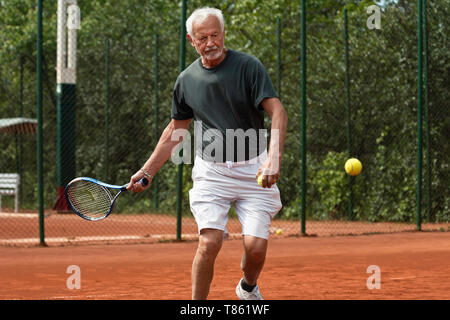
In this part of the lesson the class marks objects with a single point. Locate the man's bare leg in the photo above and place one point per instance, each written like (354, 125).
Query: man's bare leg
(252, 262)
(209, 244)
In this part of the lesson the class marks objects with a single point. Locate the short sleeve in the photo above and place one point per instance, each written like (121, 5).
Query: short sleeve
(261, 84)
(180, 110)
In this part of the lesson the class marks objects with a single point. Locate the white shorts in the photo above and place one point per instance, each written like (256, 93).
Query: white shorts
(217, 185)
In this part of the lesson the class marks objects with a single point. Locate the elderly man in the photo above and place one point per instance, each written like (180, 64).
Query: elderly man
(225, 91)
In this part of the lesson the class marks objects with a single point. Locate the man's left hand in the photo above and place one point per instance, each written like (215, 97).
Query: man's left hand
(270, 172)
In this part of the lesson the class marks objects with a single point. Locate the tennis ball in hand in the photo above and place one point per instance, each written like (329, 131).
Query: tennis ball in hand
(353, 166)
(260, 177)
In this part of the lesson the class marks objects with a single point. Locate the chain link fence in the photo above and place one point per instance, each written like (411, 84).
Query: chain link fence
(109, 98)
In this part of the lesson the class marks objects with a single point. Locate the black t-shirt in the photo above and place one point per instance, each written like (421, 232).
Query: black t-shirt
(226, 101)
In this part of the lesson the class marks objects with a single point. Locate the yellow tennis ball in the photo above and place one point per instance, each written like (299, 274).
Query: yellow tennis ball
(279, 231)
(260, 177)
(353, 166)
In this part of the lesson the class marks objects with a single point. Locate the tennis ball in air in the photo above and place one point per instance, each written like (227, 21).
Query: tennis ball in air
(353, 166)
(279, 231)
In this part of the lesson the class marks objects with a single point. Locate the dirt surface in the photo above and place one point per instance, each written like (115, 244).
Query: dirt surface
(413, 265)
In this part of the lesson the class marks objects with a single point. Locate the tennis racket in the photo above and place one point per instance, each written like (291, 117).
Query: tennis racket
(92, 199)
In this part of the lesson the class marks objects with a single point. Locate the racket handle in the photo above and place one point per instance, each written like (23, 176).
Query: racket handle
(144, 181)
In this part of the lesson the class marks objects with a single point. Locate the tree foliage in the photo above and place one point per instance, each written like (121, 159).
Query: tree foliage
(383, 86)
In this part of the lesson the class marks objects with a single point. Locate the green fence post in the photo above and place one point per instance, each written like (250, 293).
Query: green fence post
(107, 86)
(347, 104)
(20, 136)
(419, 113)
(182, 65)
(426, 107)
(39, 119)
(279, 57)
(156, 81)
(303, 106)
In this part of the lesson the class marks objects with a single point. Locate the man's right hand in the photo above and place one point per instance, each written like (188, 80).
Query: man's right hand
(135, 183)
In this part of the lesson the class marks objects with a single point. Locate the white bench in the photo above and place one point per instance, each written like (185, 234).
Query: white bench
(9, 186)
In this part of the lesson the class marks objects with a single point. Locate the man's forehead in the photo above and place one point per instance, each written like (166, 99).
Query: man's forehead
(206, 24)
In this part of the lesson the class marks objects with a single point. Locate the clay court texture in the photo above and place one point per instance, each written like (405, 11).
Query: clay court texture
(412, 265)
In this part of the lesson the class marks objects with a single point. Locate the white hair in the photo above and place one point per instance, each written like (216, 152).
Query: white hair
(201, 14)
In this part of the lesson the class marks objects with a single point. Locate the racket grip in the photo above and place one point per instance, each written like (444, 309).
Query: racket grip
(144, 181)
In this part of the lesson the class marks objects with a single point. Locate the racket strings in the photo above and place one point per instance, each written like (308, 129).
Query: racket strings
(89, 199)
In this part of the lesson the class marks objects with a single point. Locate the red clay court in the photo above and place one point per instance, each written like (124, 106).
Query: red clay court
(414, 265)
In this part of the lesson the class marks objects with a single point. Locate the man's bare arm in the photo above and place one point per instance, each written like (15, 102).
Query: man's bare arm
(279, 119)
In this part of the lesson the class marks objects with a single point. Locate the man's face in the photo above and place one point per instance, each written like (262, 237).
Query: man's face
(208, 38)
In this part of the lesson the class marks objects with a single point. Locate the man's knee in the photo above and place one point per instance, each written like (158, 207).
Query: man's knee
(210, 242)
(255, 248)
(256, 254)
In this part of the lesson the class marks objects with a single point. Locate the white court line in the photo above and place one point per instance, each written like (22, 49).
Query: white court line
(18, 215)
(91, 296)
(71, 239)
(404, 278)
(188, 236)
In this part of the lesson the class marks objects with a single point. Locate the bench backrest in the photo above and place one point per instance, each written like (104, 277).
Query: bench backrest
(9, 180)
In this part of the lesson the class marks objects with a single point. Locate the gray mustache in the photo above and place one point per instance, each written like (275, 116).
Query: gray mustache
(212, 48)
